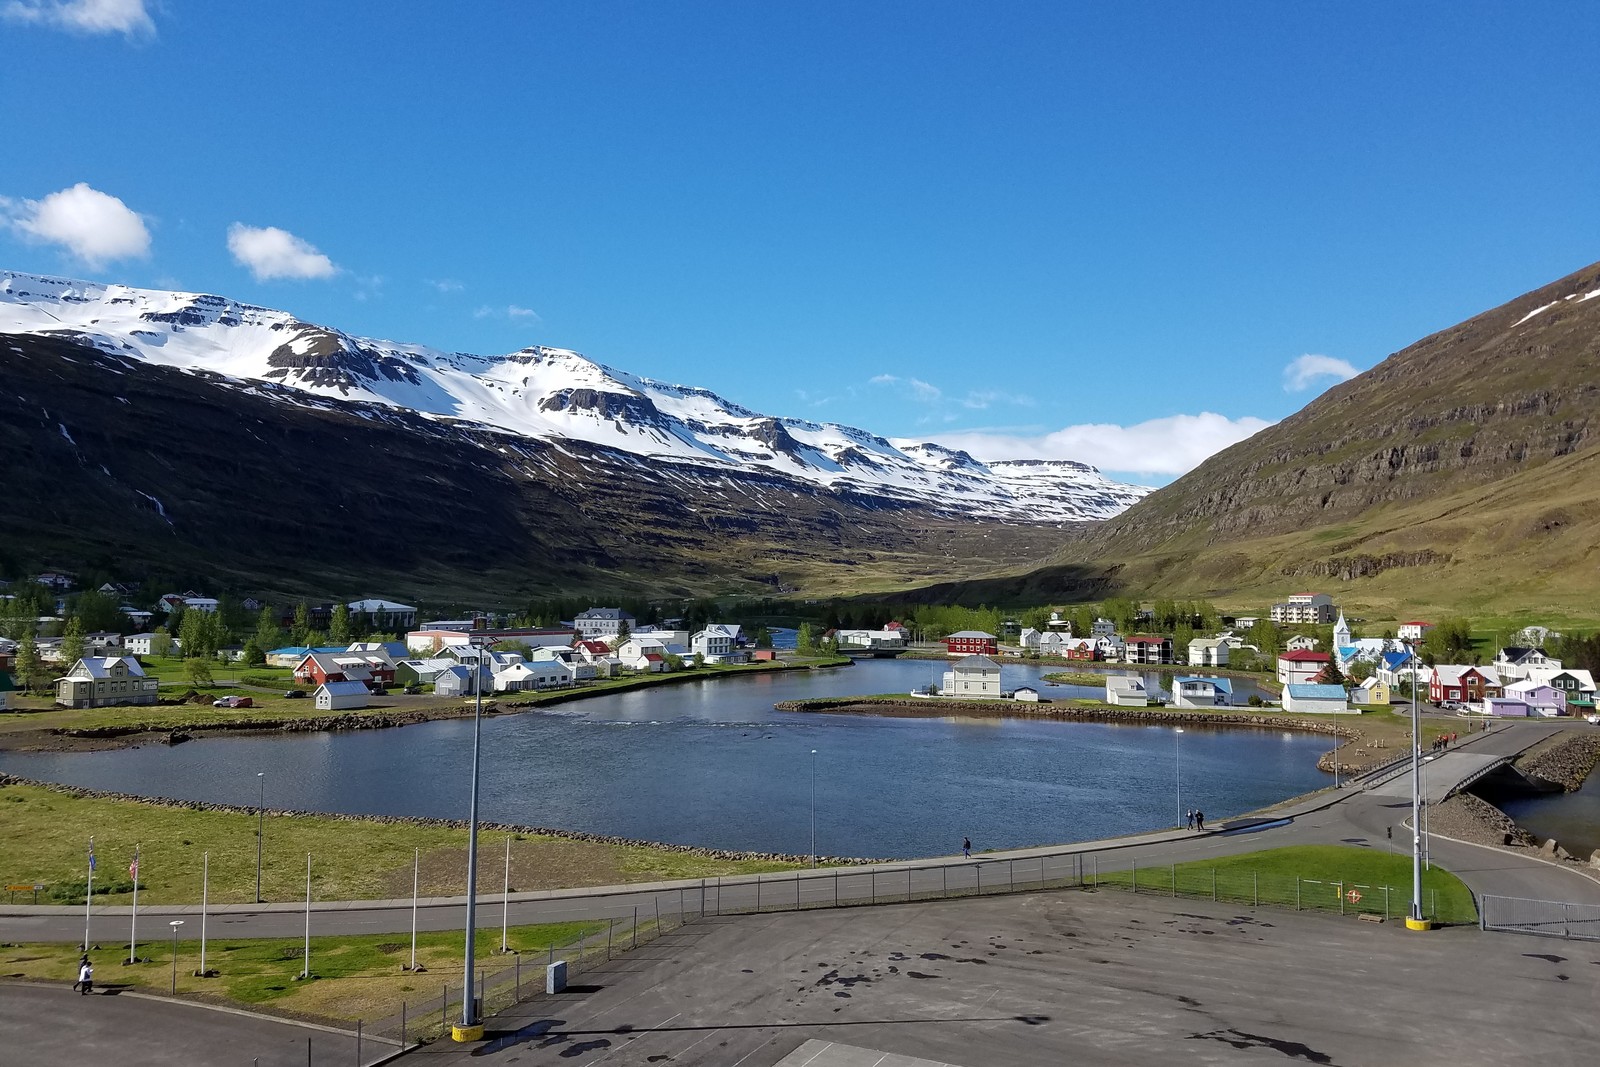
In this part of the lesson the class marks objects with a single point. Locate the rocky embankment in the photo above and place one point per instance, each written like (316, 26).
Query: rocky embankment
(449, 824)
(1565, 763)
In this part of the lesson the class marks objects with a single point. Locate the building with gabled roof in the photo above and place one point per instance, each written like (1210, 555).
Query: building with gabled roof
(100, 681)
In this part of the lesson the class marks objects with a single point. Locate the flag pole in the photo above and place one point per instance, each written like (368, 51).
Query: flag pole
(88, 897)
(133, 920)
(416, 864)
(205, 893)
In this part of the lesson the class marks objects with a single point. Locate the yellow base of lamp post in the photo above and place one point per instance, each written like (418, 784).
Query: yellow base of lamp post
(1419, 924)
(467, 1033)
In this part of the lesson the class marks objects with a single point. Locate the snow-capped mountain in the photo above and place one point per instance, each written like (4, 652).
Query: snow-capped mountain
(547, 394)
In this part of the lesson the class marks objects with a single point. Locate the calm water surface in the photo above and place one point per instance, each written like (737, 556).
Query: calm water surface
(713, 764)
(1573, 819)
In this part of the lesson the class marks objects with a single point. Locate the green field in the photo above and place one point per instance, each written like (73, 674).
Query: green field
(351, 858)
(1320, 877)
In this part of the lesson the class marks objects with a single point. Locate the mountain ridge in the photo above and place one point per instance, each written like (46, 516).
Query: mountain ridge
(544, 393)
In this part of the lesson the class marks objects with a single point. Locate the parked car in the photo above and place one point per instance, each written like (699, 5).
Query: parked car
(379, 691)
(233, 702)
(295, 694)
(412, 690)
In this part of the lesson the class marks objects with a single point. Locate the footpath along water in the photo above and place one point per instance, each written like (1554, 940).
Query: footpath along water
(712, 764)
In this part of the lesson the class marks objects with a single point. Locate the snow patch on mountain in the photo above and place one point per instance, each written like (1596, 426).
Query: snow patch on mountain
(550, 394)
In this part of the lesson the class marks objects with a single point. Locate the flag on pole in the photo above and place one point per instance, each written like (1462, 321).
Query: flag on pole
(91, 854)
(133, 868)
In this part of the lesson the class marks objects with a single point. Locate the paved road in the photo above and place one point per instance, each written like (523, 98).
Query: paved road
(1360, 814)
(51, 1026)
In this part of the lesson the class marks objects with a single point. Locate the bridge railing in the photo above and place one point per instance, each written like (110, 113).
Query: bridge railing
(1542, 918)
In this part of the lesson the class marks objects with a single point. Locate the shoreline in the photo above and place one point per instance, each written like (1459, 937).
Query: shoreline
(86, 793)
(380, 717)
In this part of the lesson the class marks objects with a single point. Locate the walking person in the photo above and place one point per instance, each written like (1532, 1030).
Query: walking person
(1199, 819)
(85, 983)
(1189, 814)
(966, 847)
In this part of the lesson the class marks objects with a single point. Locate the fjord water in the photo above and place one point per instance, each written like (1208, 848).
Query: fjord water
(1573, 819)
(712, 764)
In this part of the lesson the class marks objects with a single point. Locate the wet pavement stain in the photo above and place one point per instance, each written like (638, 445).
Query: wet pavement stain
(1545, 956)
(581, 1047)
(919, 974)
(933, 956)
(1241, 1040)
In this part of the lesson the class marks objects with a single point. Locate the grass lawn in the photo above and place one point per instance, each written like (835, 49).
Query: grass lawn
(355, 977)
(1310, 876)
(352, 858)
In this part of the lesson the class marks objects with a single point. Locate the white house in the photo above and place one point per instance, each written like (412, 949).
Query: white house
(1307, 698)
(199, 603)
(1414, 631)
(972, 676)
(1201, 692)
(1301, 666)
(1514, 662)
(1126, 691)
(457, 681)
(339, 696)
(1029, 639)
(1026, 693)
(147, 644)
(1103, 628)
(1054, 643)
(1208, 652)
(719, 644)
(851, 639)
(1301, 643)
(1110, 646)
(602, 622)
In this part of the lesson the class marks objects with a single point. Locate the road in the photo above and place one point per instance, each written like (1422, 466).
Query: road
(1363, 813)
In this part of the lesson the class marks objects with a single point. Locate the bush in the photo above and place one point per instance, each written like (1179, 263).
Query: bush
(71, 892)
(1255, 701)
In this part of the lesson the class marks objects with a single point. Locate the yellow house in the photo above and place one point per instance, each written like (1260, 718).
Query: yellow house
(1372, 693)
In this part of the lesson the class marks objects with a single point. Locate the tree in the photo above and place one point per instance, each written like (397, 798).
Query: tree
(1360, 670)
(1265, 635)
(763, 637)
(624, 631)
(339, 625)
(1331, 674)
(72, 643)
(269, 635)
(99, 611)
(254, 654)
(300, 631)
(805, 639)
(27, 662)
(198, 671)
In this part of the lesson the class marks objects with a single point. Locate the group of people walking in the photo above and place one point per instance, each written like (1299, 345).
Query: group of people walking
(1443, 741)
(85, 982)
(1197, 819)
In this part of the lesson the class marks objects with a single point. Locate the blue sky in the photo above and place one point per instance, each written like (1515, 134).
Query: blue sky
(1101, 232)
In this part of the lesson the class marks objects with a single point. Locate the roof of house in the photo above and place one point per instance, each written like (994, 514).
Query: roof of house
(343, 689)
(1312, 691)
(1371, 683)
(1516, 653)
(971, 634)
(1304, 656)
(1450, 673)
(1124, 684)
(1531, 685)
(374, 605)
(1146, 639)
(604, 613)
(1584, 679)
(976, 663)
(1392, 660)
(1416, 622)
(1221, 685)
(100, 666)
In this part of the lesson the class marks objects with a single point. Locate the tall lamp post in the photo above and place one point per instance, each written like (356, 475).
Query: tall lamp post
(1415, 921)
(1177, 767)
(813, 808)
(175, 923)
(470, 1028)
(261, 827)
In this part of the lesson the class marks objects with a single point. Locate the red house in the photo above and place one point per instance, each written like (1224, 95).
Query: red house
(319, 668)
(1145, 648)
(972, 643)
(1459, 683)
(1083, 649)
(1300, 668)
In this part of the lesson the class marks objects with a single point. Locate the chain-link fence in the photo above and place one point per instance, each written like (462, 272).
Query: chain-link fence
(1545, 918)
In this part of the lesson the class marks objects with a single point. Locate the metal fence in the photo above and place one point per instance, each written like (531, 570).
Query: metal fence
(1543, 918)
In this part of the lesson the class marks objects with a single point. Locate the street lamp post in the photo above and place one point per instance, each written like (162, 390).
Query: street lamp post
(1177, 766)
(175, 923)
(261, 826)
(470, 1029)
(1415, 921)
(813, 808)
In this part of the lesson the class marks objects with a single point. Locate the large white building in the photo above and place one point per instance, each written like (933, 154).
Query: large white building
(1305, 608)
(602, 622)
(973, 676)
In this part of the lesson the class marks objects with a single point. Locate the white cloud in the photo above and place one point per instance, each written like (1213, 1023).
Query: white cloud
(95, 227)
(127, 17)
(510, 311)
(515, 312)
(1302, 372)
(273, 253)
(913, 387)
(1172, 445)
(446, 285)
